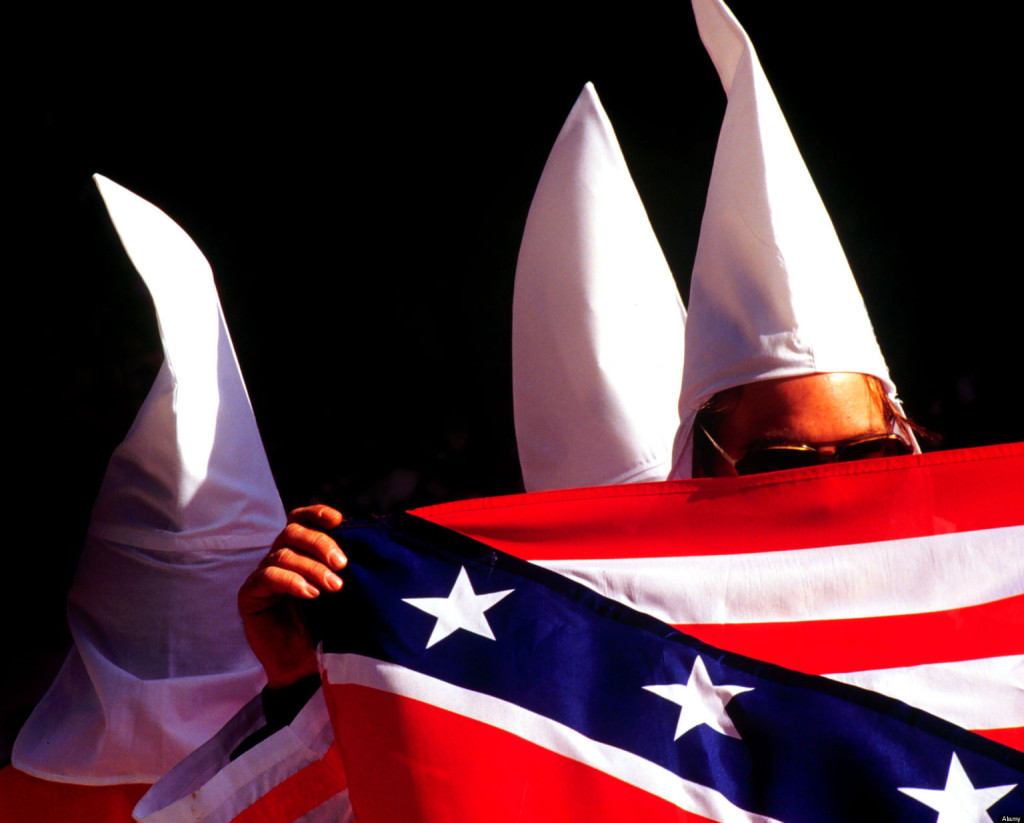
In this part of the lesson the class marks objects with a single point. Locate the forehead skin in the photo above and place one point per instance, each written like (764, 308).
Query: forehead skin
(812, 409)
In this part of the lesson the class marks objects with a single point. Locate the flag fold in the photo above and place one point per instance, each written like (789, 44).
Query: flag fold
(467, 684)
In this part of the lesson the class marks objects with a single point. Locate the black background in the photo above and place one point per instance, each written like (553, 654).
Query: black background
(359, 183)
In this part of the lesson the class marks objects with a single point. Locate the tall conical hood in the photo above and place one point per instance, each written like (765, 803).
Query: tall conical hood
(772, 294)
(187, 508)
(192, 470)
(597, 333)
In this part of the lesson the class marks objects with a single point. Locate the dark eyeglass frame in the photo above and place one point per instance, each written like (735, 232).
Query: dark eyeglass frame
(803, 455)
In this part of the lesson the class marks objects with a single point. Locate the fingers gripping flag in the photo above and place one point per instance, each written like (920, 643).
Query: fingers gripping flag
(465, 684)
(903, 576)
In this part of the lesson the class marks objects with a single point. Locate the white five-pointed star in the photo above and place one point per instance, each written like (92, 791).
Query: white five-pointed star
(462, 609)
(701, 701)
(960, 802)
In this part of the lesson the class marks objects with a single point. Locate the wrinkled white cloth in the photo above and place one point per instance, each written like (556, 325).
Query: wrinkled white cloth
(187, 508)
(597, 331)
(772, 294)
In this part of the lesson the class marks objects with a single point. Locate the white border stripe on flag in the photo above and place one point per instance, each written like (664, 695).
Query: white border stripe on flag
(341, 669)
(207, 786)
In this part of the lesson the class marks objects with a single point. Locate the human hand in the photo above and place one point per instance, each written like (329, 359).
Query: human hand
(301, 563)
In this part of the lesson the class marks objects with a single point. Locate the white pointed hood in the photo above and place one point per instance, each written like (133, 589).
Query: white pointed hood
(772, 294)
(187, 508)
(597, 330)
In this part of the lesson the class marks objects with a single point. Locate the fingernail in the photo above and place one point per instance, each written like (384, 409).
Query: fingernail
(333, 581)
(311, 591)
(337, 559)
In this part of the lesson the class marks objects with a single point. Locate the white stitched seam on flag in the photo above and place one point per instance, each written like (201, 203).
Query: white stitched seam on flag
(908, 576)
(334, 809)
(237, 784)
(541, 731)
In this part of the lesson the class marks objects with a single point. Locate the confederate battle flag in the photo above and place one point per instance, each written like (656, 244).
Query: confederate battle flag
(660, 660)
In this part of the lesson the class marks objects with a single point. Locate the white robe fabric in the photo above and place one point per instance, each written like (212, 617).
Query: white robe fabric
(597, 331)
(187, 508)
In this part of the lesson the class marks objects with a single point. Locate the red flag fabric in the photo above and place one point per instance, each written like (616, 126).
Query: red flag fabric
(28, 799)
(903, 576)
(466, 684)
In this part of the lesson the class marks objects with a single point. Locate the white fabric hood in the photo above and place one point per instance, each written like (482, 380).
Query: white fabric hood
(187, 508)
(772, 294)
(597, 332)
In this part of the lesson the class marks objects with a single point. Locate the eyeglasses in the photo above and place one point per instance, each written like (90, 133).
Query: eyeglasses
(773, 458)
